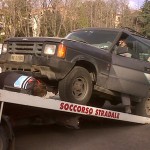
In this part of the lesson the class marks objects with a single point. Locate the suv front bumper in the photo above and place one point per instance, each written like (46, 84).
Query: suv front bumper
(52, 68)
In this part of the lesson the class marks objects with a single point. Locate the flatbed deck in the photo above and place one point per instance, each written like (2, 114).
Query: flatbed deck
(58, 105)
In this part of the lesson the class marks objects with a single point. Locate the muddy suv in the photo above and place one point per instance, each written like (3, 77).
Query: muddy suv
(87, 66)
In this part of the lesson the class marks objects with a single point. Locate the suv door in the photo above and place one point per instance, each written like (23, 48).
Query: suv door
(131, 75)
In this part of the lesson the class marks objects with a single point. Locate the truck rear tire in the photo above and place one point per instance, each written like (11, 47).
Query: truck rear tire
(143, 108)
(4, 141)
(76, 87)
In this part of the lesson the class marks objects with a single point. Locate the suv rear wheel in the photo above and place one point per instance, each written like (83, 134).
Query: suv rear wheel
(143, 108)
(76, 87)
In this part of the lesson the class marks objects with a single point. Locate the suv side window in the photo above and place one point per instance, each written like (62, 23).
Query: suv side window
(144, 53)
(138, 49)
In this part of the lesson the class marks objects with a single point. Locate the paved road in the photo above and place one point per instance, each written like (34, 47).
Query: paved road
(99, 134)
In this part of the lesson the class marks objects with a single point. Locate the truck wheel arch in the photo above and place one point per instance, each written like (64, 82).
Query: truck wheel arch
(89, 66)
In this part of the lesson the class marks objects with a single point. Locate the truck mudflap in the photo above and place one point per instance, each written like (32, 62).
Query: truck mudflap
(58, 105)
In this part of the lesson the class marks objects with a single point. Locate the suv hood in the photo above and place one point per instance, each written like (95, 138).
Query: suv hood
(34, 39)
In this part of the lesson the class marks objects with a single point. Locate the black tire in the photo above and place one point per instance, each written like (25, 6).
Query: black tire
(143, 108)
(4, 141)
(76, 87)
(96, 101)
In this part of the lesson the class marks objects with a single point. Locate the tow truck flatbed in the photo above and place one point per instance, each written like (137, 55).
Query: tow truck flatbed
(6, 131)
(58, 105)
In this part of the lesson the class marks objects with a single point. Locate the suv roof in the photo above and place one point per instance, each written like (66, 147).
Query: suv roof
(124, 29)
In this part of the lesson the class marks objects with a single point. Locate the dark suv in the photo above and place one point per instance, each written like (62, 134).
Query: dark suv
(87, 66)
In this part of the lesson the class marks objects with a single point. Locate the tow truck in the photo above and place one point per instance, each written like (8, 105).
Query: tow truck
(45, 105)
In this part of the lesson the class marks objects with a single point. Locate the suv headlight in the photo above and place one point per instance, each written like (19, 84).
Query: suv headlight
(49, 49)
(4, 48)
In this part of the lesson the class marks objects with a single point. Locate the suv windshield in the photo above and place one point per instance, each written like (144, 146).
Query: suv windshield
(98, 38)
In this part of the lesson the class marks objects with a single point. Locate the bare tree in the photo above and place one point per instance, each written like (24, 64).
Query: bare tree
(59, 17)
(16, 17)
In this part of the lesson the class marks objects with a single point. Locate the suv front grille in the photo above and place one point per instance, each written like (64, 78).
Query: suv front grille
(25, 48)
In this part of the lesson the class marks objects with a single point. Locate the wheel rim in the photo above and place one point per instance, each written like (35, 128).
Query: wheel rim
(79, 88)
(1, 143)
(147, 106)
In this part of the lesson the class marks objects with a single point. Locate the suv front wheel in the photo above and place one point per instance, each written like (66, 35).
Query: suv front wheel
(77, 86)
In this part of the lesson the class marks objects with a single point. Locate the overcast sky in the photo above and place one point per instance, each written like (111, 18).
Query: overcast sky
(136, 4)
